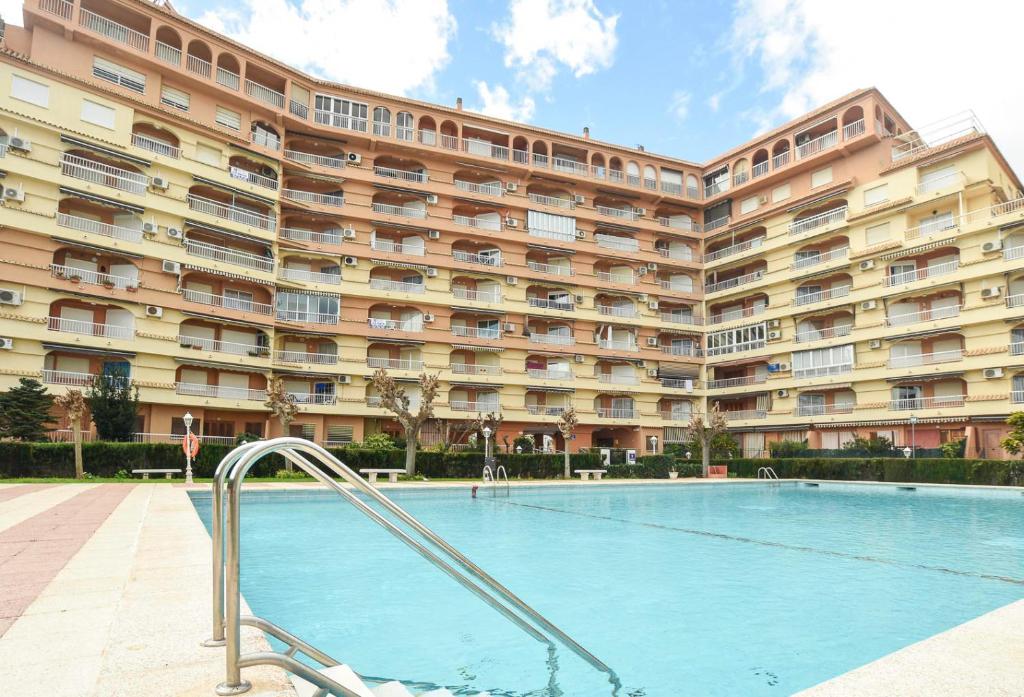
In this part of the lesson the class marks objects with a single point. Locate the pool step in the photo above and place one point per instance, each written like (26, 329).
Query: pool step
(347, 677)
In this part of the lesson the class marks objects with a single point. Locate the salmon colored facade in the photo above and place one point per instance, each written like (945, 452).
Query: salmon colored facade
(183, 208)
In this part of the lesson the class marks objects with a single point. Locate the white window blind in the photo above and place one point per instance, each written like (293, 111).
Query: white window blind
(174, 98)
(821, 177)
(228, 118)
(780, 193)
(118, 74)
(748, 204)
(876, 234)
(98, 114)
(207, 154)
(876, 195)
(551, 223)
(30, 91)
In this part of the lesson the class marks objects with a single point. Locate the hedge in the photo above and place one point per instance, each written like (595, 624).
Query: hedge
(654, 467)
(919, 469)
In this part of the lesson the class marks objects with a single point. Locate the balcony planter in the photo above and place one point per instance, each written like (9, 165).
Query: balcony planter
(131, 289)
(673, 473)
(255, 353)
(75, 279)
(109, 285)
(186, 344)
(60, 274)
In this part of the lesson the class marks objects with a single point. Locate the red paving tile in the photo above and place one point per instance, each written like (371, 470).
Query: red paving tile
(35, 550)
(12, 492)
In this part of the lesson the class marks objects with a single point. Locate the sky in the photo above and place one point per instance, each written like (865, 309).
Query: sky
(685, 78)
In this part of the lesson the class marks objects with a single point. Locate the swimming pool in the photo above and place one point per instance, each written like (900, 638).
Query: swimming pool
(731, 589)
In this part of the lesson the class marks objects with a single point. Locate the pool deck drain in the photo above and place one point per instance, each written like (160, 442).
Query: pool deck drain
(107, 595)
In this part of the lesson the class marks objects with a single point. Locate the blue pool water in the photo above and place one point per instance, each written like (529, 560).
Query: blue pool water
(744, 589)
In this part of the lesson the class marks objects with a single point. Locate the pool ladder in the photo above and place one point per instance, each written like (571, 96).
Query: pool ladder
(767, 473)
(309, 457)
(493, 478)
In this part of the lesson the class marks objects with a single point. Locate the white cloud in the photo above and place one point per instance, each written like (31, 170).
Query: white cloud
(10, 10)
(540, 35)
(715, 101)
(497, 102)
(679, 107)
(393, 46)
(812, 52)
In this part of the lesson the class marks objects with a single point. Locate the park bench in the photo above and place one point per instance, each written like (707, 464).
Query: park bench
(146, 472)
(585, 474)
(372, 474)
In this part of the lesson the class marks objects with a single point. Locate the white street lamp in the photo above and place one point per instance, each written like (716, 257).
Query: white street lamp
(187, 419)
(688, 454)
(913, 436)
(487, 442)
(907, 452)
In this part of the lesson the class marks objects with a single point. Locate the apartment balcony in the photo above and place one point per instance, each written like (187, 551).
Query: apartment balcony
(302, 275)
(914, 403)
(93, 278)
(759, 169)
(710, 225)
(929, 315)
(86, 328)
(621, 244)
(216, 346)
(733, 315)
(193, 389)
(479, 223)
(1017, 397)
(473, 258)
(813, 147)
(618, 344)
(836, 215)
(1015, 300)
(396, 286)
(264, 94)
(309, 158)
(821, 371)
(395, 325)
(552, 235)
(478, 147)
(679, 224)
(548, 374)
(156, 146)
(715, 188)
(474, 369)
(330, 200)
(235, 214)
(109, 28)
(824, 258)
(677, 286)
(624, 214)
(931, 227)
(475, 188)
(614, 379)
(237, 257)
(552, 339)
(560, 164)
(744, 414)
(545, 409)
(688, 384)
(838, 330)
(548, 304)
(681, 318)
(305, 357)
(198, 65)
(733, 250)
(681, 350)
(616, 413)
(780, 159)
(682, 415)
(616, 276)
(923, 359)
(253, 178)
(743, 280)
(481, 296)
(616, 310)
(402, 211)
(78, 167)
(553, 269)
(758, 379)
(943, 269)
(678, 253)
(852, 130)
(69, 378)
(484, 407)
(490, 333)
(332, 236)
(344, 121)
(947, 181)
(228, 302)
(384, 245)
(821, 296)
(401, 174)
(552, 201)
(822, 409)
(306, 317)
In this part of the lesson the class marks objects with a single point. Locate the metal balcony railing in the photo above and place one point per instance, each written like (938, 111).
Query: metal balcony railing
(306, 316)
(332, 200)
(927, 315)
(733, 249)
(476, 332)
(231, 212)
(253, 178)
(117, 232)
(289, 274)
(404, 211)
(728, 283)
(404, 175)
(228, 255)
(549, 374)
(106, 175)
(482, 406)
(221, 391)
(473, 258)
(489, 189)
(824, 333)
(67, 377)
(227, 78)
(835, 215)
(756, 379)
(344, 121)
(616, 412)
(624, 244)
(932, 271)
(320, 237)
(217, 346)
(743, 414)
(93, 278)
(87, 328)
(939, 402)
(552, 339)
(549, 304)
(305, 357)
(480, 223)
(264, 94)
(921, 359)
(228, 302)
(313, 159)
(822, 258)
(483, 296)
(616, 310)
(313, 397)
(474, 369)
(156, 146)
(813, 147)
(384, 245)
(396, 325)
(822, 409)
(822, 295)
(553, 201)
(852, 130)
(554, 269)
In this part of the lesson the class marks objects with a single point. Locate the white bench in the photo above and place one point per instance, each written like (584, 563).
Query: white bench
(167, 473)
(372, 474)
(585, 474)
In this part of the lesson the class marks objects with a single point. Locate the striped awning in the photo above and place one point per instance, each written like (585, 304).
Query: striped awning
(392, 340)
(97, 248)
(75, 348)
(226, 274)
(930, 377)
(485, 349)
(103, 150)
(189, 223)
(240, 192)
(103, 201)
(227, 320)
(399, 264)
(741, 361)
(400, 226)
(894, 422)
(825, 388)
(553, 250)
(820, 274)
(243, 367)
(911, 251)
(929, 332)
(317, 293)
(540, 388)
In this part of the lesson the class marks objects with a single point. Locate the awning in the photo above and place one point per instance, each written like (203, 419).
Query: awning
(85, 350)
(928, 332)
(602, 225)
(227, 233)
(820, 274)
(478, 310)
(400, 226)
(243, 367)
(539, 388)
(305, 373)
(930, 377)
(402, 189)
(103, 150)
(317, 293)
(894, 422)
(68, 191)
(226, 274)
(399, 264)
(227, 320)
(97, 248)
(740, 361)
(911, 251)
(488, 385)
(240, 192)
(685, 373)
(825, 388)
(485, 349)
(392, 340)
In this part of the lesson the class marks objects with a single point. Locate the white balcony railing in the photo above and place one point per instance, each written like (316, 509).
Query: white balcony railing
(823, 258)
(744, 414)
(743, 280)
(554, 269)
(483, 148)
(482, 406)
(93, 278)
(939, 402)
(1017, 348)
(815, 146)
(618, 344)
(545, 409)
(549, 373)
(264, 94)
(117, 232)
(681, 350)
(229, 302)
(1013, 253)
(220, 391)
(156, 146)
(852, 130)
(227, 78)
(483, 296)
(331, 236)
(824, 333)
(919, 359)
(473, 258)
(67, 377)
(822, 409)
(835, 215)
(624, 213)
(394, 363)
(678, 317)
(77, 326)
(404, 211)
(397, 286)
(384, 245)
(112, 30)
(474, 369)
(552, 339)
(216, 346)
(932, 271)
(396, 325)
(253, 178)
(822, 295)
(480, 223)
(306, 357)
(103, 174)
(230, 212)
(197, 65)
(780, 160)
(333, 200)
(616, 412)
(313, 159)
(301, 275)
(946, 181)
(616, 310)
(737, 248)
(623, 244)
(561, 164)
(732, 315)
(552, 235)
(617, 379)
(757, 379)
(710, 225)
(476, 332)
(679, 223)
(306, 316)
(402, 174)
(331, 118)
(227, 255)
(566, 305)
(553, 201)
(937, 224)
(716, 187)
(1017, 396)
(489, 189)
(680, 383)
(927, 315)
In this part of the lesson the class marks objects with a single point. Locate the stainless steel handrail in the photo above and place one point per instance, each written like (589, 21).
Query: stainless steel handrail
(227, 599)
(768, 473)
(497, 477)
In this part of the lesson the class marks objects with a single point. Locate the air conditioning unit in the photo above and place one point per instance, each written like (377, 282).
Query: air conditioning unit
(652, 266)
(154, 311)
(432, 199)
(875, 344)
(351, 261)
(511, 187)
(652, 372)
(581, 234)
(428, 317)
(783, 367)
(509, 327)
(652, 341)
(511, 222)
(150, 228)
(19, 143)
(171, 267)
(434, 234)
(991, 373)
(992, 292)
(781, 394)
(775, 323)
(993, 246)
(579, 299)
(511, 280)
(579, 200)
(762, 200)
(774, 335)
(14, 193)
(867, 264)
(174, 233)
(640, 212)
(344, 379)
(653, 305)
(868, 304)
(432, 272)
(642, 271)
(6, 343)
(348, 233)
(10, 297)
(160, 183)
(354, 158)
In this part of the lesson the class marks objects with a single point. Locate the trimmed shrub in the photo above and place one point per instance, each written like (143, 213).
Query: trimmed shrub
(927, 470)
(654, 467)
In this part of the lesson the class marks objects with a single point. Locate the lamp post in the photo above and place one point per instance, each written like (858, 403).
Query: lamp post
(187, 419)
(688, 454)
(487, 443)
(907, 452)
(913, 436)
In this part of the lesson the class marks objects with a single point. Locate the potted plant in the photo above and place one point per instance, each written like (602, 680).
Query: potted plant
(74, 278)
(673, 473)
(108, 284)
(131, 288)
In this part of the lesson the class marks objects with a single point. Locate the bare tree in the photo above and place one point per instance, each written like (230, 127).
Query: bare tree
(459, 431)
(282, 406)
(566, 423)
(394, 399)
(74, 404)
(704, 433)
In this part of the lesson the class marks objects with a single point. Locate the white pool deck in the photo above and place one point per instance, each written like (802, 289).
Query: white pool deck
(125, 615)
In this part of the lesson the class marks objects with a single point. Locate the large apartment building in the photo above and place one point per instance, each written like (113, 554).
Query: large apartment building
(180, 207)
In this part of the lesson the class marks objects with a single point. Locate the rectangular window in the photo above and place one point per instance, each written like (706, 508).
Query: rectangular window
(118, 74)
(780, 193)
(30, 91)
(562, 225)
(98, 114)
(876, 195)
(821, 177)
(937, 223)
(748, 204)
(834, 360)
(738, 339)
(340, 113)
(228, 118)
(174, 98)
(339, 435)
(207, 154)
(876, 234)
(178, 425)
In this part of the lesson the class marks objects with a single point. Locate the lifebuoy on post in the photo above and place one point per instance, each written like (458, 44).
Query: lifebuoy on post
(190, 445)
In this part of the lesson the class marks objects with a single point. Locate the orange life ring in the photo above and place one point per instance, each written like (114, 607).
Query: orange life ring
(190, 445)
